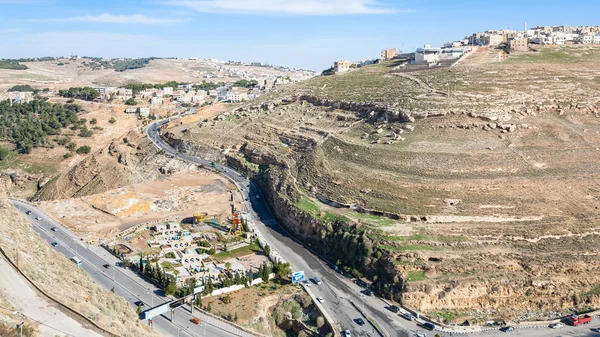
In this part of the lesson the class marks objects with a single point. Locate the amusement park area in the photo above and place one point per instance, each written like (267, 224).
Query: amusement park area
(200, 250)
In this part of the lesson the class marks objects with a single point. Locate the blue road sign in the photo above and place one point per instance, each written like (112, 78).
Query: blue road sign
(298, 276)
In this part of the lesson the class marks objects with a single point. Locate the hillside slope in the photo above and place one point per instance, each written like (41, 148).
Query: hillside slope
(472, 189)
(60, 278)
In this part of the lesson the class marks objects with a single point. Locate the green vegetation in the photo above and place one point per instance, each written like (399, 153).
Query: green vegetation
(170, 255)
(12, 64)
(413, 276)
(83, 149)
(112, 120)
(4, 153)
(403, 248)
(373, 219)
(208, 85)
(122, 65)
(137, 87)
(239, 252)
(245, 84)
(308, 206)
(28, 124)
(595, 291)
(85, 93)
(130, 101)
(562, 55)
(23, 88)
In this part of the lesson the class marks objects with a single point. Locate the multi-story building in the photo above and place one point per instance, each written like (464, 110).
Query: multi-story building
(144, 111)
(342, 66)
(156, 101)
(427, 55)
(388, 54)
(519, 44)
(237, 95)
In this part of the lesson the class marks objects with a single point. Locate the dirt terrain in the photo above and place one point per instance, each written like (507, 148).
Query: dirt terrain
(471, 189)
(59, 277)
(178, 196)
(74, 73)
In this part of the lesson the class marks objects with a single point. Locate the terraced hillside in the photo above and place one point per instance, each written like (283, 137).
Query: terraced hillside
(464, 192)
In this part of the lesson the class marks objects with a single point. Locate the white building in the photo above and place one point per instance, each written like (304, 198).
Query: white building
(131, 110)
(167, 91)
(156, 101)
(237, 95)
(144, 111)
(427, 55)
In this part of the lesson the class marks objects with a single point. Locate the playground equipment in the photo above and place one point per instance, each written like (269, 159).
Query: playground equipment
(200, 217)
(236, 223)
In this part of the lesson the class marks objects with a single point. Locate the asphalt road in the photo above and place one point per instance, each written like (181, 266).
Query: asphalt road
(126, 283)
(336, 290)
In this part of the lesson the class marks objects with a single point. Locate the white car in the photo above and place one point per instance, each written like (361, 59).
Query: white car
(556, 326)
(306, 283)
(320, 299)
(347, 333)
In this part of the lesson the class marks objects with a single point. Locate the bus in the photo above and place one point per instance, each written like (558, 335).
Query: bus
(76, 260)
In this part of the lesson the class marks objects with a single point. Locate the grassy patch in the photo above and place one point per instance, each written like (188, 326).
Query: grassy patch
(308, 206)
(557, 55)
(372, 219)
(404, 248)
(167, 266)
(414, 276)
(239, 252)
(594, 291)
(332, 217)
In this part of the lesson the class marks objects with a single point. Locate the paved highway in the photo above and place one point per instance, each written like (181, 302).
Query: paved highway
(335, 289)
(126, 283)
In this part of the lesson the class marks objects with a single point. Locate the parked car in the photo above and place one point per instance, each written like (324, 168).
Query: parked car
(195, 320)
(408, 316)
(306, 283)
(428, 326)
(394, 308)
(106, 265)
(317, 280)
(556, 326)
(54, 244)
(367, 292)
(359, 321)
(347, 333)
(507, 329)
(54, 229)
(38, 218)
(28, 212)
(321, 299)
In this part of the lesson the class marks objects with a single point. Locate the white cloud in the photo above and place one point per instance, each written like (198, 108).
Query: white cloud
(287, 7)
(138, 19)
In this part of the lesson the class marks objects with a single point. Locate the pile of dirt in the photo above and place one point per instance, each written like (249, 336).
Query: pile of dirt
(62, 279)
(128, 160)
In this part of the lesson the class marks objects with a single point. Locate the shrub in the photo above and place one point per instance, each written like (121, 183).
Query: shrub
(84, 149)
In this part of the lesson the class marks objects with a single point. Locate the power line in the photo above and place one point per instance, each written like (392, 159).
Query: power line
(41, 323)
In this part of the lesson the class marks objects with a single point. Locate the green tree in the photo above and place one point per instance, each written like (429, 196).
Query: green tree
(267, 250)
(130, 101)
(112, 120)
(171, 288)
(139, 308)
(67, 155)
(93, 121)
(71, 146)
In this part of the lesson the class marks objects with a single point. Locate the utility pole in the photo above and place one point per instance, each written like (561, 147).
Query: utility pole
(20, 327)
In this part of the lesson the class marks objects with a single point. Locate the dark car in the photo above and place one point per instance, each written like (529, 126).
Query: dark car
(394, 308)
(28, 212)
(106, 266)
(428, 326)
(139, 303)
(54, 229)
(359, 321)
(367, 292)
(54, 244)
(507, 329)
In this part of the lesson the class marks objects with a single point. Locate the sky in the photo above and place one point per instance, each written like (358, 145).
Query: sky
(297, 33)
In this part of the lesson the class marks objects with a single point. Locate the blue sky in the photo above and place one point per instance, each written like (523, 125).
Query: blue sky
(298, 33)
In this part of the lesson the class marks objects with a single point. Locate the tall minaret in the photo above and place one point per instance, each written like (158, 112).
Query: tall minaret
(525, 29)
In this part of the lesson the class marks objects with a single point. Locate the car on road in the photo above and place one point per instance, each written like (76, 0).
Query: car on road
(367, 292)
(359, 321)
(38, 218)
(428, 326)
(316, 280)
(394, 309)
(321, 299)
(195, 320)
(54, 244)
(507, 329)
(408, 316)
(347, 333)
(106, 265)
(420, 334)
(28, 212)
(54, 229)
(139, 303)
(556, 326)
(306, 283)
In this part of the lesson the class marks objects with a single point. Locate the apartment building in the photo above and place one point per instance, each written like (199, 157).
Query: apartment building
(519, 44)
(342, 66)
(388, 54)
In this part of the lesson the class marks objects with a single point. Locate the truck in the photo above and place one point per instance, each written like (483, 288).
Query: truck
(576, 320)
(76, 260)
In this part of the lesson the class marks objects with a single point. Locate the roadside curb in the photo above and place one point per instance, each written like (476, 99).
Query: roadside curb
(373, 322)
